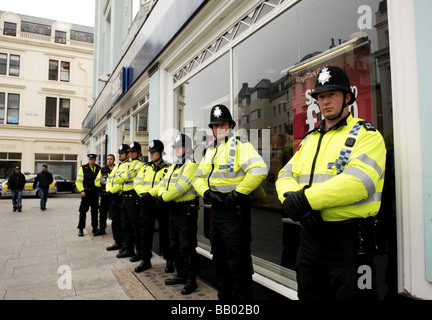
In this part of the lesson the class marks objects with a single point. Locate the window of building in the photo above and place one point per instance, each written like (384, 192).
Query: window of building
(54, 107)
(3, 63)
(2, 107)
(10, 29)
(58, 164)
(53, 72)
(14, 65)
(13, 108)
(8, 161)
(60, 37)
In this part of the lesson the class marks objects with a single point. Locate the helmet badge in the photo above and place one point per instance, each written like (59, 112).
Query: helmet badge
(151, 144)
(324, 76)
(178, 138)
(217, 112)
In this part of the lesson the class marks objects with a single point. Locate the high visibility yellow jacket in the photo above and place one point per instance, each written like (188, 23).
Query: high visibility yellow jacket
(149, 177)
(344, 168)
(111, 185)
(176, 185)
(230, 164)
(126, 178)
(86, 177)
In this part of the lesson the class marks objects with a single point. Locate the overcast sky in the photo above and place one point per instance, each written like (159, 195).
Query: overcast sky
(76, 11)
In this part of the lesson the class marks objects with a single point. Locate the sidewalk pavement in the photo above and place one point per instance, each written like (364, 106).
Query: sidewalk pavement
(42, 258)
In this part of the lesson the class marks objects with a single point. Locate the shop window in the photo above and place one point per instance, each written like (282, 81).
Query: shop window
(287, 52)
(10, 29)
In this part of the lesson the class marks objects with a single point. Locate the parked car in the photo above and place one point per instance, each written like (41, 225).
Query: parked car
(64, 184)
(28, 188)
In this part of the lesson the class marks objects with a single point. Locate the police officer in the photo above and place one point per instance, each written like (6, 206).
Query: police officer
(105, 201)
(332, 186)
(230, 170)
(113, 190)
(130, 204)
(146, 185)
(85, 184)
(177, 193)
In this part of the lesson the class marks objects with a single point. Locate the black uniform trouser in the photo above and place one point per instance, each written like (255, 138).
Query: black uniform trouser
(90, 201)
(230, 236)
(115, 214)
(130, 223)
(149, 214)
(328, 264)
(183, 239)
(104, 208)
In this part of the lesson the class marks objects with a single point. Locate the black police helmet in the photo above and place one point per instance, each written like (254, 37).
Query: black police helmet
(156, 145)
(333, 78)
(220, 113)
(123, 148)
(182, 140)
(134, 146)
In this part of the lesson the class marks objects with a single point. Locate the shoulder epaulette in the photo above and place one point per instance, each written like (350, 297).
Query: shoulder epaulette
(367, 125)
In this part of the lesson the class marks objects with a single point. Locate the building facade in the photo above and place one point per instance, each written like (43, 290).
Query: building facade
(260, 58)
(46, 75)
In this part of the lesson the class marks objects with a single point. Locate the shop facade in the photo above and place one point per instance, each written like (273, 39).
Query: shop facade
(260, 58)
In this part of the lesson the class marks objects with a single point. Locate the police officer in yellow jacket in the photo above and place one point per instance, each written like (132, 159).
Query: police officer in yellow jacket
(113, 190)
(332, 186)
(130, 204)
(227, 175)
(85, 183)
(176, 192)
(146, 185)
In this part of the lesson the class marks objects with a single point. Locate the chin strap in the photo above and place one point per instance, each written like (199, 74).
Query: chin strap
(342, 109)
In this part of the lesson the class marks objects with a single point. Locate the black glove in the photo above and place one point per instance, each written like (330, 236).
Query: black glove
(236, 199)
(146, 198)
(296, 204)
(311, 218)
(214, 198)
(160, 202)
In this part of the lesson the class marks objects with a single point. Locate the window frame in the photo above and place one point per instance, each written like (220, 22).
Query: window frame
(7, 31)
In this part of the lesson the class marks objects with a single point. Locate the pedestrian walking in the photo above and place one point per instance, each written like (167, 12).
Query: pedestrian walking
(332, 186)
(44, 179)
(16, 184)
(85, 184)
(227, 175)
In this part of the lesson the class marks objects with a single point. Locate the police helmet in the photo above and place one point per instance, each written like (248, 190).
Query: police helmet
(156, 145)
(333, 78)
(123, 148)
(134, 146)
(182, 140)
(220, 113)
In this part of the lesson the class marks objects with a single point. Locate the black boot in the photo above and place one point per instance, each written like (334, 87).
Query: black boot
(190, 286)
(144, 265)
(169, 268)
(80, 233)
(114, 247)
(101, 232)
(175, 280)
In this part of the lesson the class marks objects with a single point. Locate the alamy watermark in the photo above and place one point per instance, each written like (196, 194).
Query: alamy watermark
(65, 277)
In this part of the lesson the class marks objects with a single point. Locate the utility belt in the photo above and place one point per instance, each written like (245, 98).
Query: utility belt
(191, 203)
(129, 194)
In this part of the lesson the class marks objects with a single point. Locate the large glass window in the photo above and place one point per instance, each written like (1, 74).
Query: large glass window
(3, 63)
(274, 72)
(2, 107)
(51, 112)
(10, 29)
(14, 65)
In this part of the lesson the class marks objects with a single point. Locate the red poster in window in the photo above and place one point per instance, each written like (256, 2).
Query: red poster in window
(354, 58)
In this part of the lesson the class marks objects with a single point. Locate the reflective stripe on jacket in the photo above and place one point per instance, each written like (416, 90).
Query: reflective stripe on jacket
(232, 164)
(111, 185)
(86, 177)
(126, 178)
(352, 192)
(176, 185)
(149, 177)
